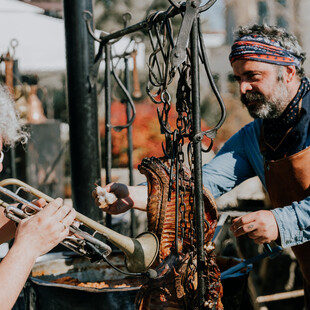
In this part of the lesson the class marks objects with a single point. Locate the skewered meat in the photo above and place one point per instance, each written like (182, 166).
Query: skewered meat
(175, 286)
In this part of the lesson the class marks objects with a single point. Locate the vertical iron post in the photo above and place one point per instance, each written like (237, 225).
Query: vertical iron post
(82, 106)
(129, 129)
(197, 161)
(108, 133)
(16, 80)
(130, 148)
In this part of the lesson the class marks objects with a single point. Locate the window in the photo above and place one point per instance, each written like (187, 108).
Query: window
(282, 2)
(262, 12)
(282, 22)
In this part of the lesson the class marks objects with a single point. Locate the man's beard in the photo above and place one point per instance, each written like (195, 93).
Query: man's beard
(259, 106)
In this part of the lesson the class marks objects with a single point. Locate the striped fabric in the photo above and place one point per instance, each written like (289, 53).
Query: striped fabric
(259, 48)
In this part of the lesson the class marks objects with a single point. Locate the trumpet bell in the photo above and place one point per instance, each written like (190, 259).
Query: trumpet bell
(146, 247)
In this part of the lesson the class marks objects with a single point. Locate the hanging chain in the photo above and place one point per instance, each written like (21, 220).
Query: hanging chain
(161, 75)
(184, 122)
(184, 126)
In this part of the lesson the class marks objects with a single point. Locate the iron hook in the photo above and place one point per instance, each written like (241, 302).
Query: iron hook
(87, 17)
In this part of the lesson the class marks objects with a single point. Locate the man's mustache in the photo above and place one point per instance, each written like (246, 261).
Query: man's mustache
(252, 96)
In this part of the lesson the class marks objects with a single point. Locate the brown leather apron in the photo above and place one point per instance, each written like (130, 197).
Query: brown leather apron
(288, 180)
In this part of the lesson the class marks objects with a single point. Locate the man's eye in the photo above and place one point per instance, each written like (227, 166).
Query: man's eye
(253, 76)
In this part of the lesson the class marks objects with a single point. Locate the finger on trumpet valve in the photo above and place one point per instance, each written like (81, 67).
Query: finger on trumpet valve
(14, 213)
(105, 198)
(78, 240)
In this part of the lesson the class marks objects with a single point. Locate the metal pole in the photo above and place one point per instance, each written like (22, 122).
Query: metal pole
(82, 106)
(197, 161)
(16, 80)
(129, 129)
(108, 133)
(130, 149)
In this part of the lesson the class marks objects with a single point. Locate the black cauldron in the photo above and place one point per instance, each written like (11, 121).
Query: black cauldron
(42, 294)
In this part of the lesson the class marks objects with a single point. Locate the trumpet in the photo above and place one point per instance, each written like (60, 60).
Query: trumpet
(140, 252)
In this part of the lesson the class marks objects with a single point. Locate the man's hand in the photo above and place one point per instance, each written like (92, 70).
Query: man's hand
(123, 202)
(261, 226)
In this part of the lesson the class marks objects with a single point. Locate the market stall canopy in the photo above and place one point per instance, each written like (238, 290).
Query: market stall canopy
(41, 39)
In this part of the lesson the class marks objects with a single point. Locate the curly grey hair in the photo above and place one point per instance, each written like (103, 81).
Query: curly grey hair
(11, 130)
(286, 40)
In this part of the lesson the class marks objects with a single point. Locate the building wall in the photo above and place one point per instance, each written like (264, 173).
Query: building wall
(302, 27)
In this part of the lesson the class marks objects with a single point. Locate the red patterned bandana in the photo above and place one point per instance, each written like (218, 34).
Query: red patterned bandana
(259, 48)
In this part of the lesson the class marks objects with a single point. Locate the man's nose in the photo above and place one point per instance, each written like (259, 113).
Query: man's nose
(244, 87)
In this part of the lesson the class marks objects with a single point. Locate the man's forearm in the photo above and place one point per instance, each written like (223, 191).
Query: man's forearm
(294, 223)
(14, 271)
(139, 196)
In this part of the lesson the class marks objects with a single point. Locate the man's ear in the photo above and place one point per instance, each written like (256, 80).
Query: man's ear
(290, 73)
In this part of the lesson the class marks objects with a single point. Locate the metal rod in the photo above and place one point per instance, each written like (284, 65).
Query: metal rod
(147, 23)
(197, 162)
(16, 80)
(177, 206)
(129, 129)
(82, 106)
(130, 149)
(108, 133)
(280, 296)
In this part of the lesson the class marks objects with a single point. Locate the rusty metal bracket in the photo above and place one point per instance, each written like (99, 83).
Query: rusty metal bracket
(178, 53)
(192, 9)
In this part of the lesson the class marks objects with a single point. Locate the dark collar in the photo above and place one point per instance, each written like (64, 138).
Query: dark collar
(279, 135)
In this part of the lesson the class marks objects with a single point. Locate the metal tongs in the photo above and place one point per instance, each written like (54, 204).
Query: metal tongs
(193, 8)
(247, 264)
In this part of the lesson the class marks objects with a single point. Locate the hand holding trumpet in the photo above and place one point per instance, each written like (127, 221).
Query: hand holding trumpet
(44, 230)
(34, 236)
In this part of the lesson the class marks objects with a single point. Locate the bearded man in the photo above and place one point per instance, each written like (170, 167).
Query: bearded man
(267, 63)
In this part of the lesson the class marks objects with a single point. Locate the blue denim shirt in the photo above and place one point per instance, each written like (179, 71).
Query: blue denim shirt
(240, 159)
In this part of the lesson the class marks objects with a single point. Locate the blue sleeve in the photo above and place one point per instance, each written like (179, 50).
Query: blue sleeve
(229, 167)
(294, 222)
